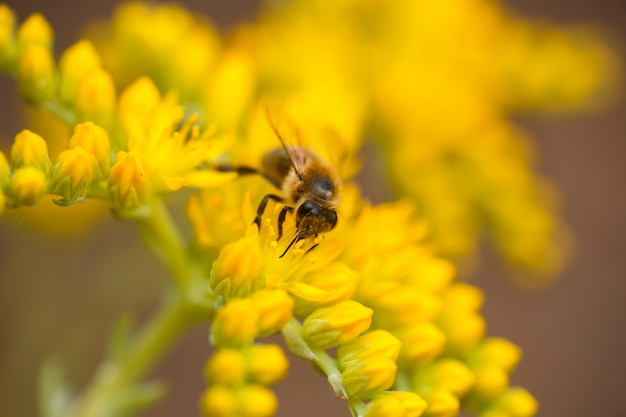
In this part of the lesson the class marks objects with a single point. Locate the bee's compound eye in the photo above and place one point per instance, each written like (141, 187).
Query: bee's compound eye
(306, 208)
(331, 218)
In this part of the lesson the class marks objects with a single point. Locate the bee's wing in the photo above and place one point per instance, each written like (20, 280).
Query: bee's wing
(294, 152)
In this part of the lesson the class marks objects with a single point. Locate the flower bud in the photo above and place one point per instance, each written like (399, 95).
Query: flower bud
(3, 202)
(129, 180)
(267, 364)
(5, 171)
(421, 342)
(30, 149)
(94, 140)
(73, 174)
(35, 31)
(137, 105)
(237, 270)
(35, 73)
(235, 324)
(95, 98)
(517, 402)
(374, 344)
(441, 403)
(395, 403)
(28, 186)
(226, 367)
(449, 374)
(496, 352)
(257, 401)
(219, 401)
(490, 382)
(275, 309)
(78, 61)
(329, 327)
(7, 42)
(363, 378)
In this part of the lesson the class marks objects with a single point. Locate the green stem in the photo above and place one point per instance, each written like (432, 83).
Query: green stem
(162, 236)
(140, 355)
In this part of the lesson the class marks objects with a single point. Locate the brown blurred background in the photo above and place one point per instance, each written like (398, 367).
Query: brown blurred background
(59, 297)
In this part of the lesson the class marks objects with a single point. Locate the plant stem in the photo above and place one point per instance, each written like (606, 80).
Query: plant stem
(139, 356)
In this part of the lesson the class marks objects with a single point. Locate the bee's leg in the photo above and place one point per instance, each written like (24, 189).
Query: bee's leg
(281, 219)
(261, 209)
(245, 170)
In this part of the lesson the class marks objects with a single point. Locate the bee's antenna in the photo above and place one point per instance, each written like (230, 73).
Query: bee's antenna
(295, 161)
(296, 238)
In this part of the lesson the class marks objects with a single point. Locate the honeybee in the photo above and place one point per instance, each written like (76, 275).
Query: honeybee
(310, 186)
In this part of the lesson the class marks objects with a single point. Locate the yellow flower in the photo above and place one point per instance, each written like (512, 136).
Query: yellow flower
(395, 403)
(35, 30)
(94, 140)
(517, 402)
(29, 185)
(275, 308)
(73, 174)
(441, 403)
(219, 401)
(362, 379)
(447, 374)
(267, 364)
(5, 171)
(227, 367)
(257, 401)
(77, 62)
(332, 326)
(235, 324)
(237, 270)
(30, 149)
(7, 42)
(373, 344)
(130, 182)
(95, 98)
(35, 75)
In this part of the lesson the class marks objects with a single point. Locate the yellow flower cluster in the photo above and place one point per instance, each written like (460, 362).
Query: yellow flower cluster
(373, 303)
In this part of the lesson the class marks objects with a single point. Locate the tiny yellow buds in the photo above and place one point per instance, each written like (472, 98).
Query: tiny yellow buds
(78, 61)
(35, 75)
(237, 270)
(129, 180)
(95, 98)
(497, 352)
(450, 374)
(227, 367)
(441, 403)
(30, 149)
(377, 343)
(235, 324)
(421, 342)
(28, 186)
(257, 401)
(5, 171)
(490, 382)
(219, 401)
(329, 327)
(7, 43)
(395, 403)
(275, 309)
(137, 105)
(267, 364)
(517, 402)
(35, 30)
(73, 174)
(363, 378)
(94, 140)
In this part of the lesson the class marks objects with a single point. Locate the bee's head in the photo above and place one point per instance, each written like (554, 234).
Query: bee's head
(313, 219)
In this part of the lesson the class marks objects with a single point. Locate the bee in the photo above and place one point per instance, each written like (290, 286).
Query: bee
(310, 187)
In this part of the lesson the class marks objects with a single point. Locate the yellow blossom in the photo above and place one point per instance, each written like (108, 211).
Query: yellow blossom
(235, 324)
(95, 98)
(29, 185)
(130, 180)
(77, 62)
(420, 342)
(30, 149)
(73, 174)
(237, 270)
(257, 401)
(331, 326)
(517, 402)
(367, 377)
(397, 404)
(219, 401)
(35, 75)
(373, 344)
(227, 367)
(7, 42)
(441, 403)
(5, 171)
(275, 308)
(267, 364)
(448, 374)
(35, 30)
(95, 140)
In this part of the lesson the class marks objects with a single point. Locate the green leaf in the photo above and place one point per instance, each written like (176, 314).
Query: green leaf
(130, 400)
